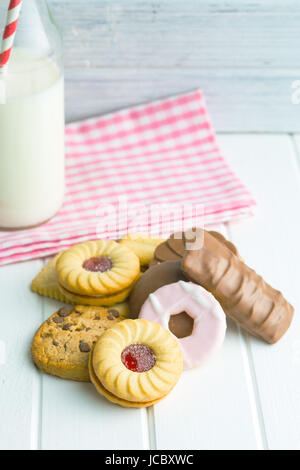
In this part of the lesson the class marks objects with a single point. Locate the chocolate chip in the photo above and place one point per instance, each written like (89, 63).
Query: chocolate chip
(88, 329)
(64, 312)
(55, 343)
(110, 317)
(58, 320)
(67, 326)
(113, 312)
(84, 347)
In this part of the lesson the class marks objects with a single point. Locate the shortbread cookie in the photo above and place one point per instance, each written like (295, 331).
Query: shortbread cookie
(136, 362)
(97, 269)
(62, 344)
(45, 282)
(143, 246)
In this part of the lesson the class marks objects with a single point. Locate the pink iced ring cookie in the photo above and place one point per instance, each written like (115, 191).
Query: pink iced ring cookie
(193, 315)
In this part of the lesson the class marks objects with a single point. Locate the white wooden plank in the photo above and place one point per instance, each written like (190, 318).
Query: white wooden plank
(75, 416)
(179, 33)
(270, 244)
(243, 54)
(21, 314)
(212, 406)
(296, 145)
(244, 101)
(209, 408)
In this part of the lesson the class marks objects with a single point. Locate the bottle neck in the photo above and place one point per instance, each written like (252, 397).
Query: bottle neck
(36, 30)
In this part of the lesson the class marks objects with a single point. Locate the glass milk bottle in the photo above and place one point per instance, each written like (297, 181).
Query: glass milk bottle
(31, 120)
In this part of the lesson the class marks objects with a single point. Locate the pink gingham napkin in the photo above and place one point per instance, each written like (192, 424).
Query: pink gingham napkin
(159, 153)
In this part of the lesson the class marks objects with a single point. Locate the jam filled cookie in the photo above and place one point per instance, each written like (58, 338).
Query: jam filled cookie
(193, 315)
(97, 272)
(135, 363)
(143, 246)
(62, 344)
(45, 283)
(96, 301)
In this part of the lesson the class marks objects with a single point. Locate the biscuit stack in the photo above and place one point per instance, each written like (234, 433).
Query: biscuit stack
(97, 273)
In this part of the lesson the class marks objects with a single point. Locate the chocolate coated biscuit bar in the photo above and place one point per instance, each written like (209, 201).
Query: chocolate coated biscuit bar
(243, 294)
(173, 249)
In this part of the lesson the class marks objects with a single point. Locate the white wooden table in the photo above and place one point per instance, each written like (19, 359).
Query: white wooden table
(247, 398)
(244, 54)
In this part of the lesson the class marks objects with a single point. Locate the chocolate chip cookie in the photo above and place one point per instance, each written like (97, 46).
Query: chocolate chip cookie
(62, 344)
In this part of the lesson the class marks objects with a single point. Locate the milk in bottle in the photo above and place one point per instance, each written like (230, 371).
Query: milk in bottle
(31, 117)
(31, 140)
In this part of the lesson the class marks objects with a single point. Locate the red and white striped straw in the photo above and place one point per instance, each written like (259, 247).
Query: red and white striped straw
(9, 32)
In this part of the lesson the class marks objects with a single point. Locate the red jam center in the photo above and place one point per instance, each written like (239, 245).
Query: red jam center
(98, 264)
(138, 358)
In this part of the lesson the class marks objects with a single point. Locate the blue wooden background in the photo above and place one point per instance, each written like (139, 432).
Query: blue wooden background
(244, 54)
